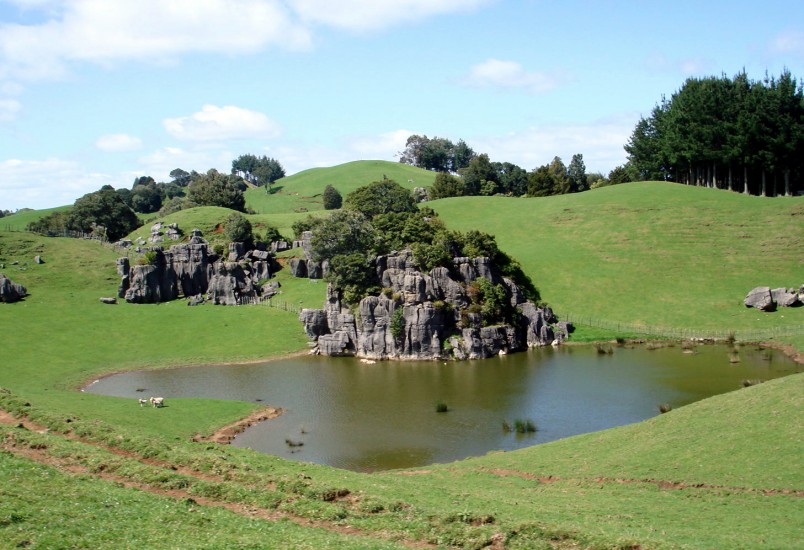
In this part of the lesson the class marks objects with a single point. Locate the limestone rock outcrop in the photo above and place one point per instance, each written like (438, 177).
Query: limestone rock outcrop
(421, 316)
(193, 269)
(11, 291)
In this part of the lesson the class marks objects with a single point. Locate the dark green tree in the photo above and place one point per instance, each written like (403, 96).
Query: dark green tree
(344, 232)
(103, 208)
(332, 198)
(380, 197)
(237, 229)
(216, 189)
(576, 171)
(479, 176)
(260, 171)
(446, 185)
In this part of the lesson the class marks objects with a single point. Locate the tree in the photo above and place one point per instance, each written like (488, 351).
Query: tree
(576, 171)
(146, 196)
(103, 208)
(561, 180)
(478, 175)
(237, 229)
(622, 174)
(332, 198)
(260, 171)
(540, 182)
(380, 197)
(437, 154)
(445, 185)
(180, 177)
(513, 180)
(216, 189)
(344, 232)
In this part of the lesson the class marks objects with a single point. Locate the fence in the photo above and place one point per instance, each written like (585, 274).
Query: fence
(751, 335)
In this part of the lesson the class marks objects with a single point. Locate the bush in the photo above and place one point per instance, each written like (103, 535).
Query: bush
(332, 198)
(237, 229)
(398, 323)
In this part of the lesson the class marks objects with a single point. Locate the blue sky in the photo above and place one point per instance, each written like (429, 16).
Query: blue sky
(96, 92)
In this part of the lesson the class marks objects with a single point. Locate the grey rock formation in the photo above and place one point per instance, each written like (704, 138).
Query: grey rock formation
(298, 267)
(785, 297)
(11, 291)
(123, 266)
(230, 286)
(760, 298)
(38, 260)
(423, 316)
(193, 269)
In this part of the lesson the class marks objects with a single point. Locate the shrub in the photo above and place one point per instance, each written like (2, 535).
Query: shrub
(398, 323)
(237, 229)
(332, 198)
(441, 407)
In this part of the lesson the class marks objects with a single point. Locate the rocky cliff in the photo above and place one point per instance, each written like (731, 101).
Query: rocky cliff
(427, 316)
(193, 269)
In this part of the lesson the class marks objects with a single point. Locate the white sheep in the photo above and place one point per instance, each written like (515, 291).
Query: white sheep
(143, 402)
(158, 402)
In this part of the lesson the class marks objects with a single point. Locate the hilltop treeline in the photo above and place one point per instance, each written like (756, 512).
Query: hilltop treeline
(463, 172)
(731, 133)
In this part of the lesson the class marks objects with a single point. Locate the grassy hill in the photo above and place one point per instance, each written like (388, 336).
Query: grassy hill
(20, 220)
(302, 192)
(721, 473)
(657, 254)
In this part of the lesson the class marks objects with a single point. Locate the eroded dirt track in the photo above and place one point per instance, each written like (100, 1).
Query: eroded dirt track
(69, 465)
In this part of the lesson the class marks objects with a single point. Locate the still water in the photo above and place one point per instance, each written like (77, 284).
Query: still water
(374, 417)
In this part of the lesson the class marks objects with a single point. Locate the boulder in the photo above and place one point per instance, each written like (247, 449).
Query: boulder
(196, 300)
(11, 291)
(760, 298)
(785, 298)
(38, 260)
(314, 270)
(298, 267)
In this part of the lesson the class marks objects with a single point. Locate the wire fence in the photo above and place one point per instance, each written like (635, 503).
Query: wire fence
(745, 335)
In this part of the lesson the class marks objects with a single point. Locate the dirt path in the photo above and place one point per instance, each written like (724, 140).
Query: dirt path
(72, 467)
(662, 484)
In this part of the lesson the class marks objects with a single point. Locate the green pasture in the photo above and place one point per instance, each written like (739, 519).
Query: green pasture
(20, 220)
(721, 473)
(656, 254)
(302, 192)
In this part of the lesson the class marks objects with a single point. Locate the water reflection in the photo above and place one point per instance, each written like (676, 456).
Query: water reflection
(370, 417)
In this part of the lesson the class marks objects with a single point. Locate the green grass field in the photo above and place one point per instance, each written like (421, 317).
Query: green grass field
(302, 192)
(721, 473)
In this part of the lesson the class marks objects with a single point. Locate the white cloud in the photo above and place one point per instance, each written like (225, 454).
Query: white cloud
(214, 123)
(600, 143)
(510, 75)
(9, 109)
(46, 183)
(117, 143)
(148, 30)
(368, 15)
(788, 42)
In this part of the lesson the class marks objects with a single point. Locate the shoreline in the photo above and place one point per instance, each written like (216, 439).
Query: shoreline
(226, 434)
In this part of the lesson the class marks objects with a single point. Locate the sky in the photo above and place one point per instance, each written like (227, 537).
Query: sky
(97, 92)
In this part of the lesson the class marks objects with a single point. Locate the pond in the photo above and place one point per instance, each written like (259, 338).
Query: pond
(369, 417)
